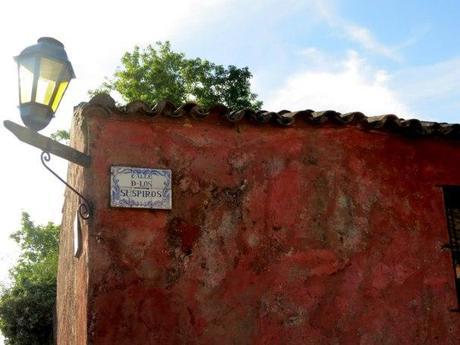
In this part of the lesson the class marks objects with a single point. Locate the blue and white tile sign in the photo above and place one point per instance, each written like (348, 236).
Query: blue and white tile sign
(140, 188)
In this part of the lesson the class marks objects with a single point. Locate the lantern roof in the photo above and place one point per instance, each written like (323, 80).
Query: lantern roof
(50, 47)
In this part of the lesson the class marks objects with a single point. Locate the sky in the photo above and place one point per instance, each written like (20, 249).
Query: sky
(377, 57)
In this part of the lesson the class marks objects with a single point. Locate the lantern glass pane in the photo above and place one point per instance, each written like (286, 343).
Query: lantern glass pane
(50, 71)
(26, 79)
(60, 92)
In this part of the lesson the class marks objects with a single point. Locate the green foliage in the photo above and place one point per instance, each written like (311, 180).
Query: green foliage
(27, 306)
(61, 135)
(157, 73)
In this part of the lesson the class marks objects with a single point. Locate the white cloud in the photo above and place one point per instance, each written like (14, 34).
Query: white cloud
(327, 10)
(431, 81)
(431, 90)
(345, 86)
(364, 37)
(315, 58)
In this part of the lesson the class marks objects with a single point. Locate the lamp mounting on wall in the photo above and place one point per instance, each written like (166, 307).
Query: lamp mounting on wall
(44, 73)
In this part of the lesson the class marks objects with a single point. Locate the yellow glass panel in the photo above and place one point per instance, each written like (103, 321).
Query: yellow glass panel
(45, 89)
(26, 79)
(59, 94)
(50, 71)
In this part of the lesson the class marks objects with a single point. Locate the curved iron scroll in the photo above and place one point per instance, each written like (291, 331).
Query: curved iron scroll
(84, 209)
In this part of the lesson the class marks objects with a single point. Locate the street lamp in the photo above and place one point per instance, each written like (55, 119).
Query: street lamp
(44, 73)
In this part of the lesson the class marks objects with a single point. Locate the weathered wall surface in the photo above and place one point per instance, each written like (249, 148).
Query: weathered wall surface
(72, 279)
(300, 235)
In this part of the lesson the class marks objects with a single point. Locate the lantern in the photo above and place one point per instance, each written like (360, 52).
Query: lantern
(44, 73)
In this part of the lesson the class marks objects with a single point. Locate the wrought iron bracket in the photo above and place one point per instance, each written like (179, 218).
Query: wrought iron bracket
(84, 209)
(46, 144)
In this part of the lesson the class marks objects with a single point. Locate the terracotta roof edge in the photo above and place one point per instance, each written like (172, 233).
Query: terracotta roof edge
(105, 104)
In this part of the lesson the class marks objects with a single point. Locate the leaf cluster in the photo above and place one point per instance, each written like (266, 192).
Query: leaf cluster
(61, 135)
(157, 73)
(27, 306)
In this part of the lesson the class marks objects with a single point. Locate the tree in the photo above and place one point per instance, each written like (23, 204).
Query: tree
(157, 73)
(27, 306)
(61, 135)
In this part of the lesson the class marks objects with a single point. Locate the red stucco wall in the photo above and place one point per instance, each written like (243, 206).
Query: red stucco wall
(300, 235)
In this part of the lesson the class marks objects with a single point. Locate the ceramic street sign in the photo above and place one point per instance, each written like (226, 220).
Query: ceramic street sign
(140, 188)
